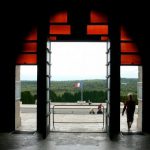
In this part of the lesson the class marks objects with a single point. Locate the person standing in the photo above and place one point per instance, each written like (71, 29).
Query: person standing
(129, 107)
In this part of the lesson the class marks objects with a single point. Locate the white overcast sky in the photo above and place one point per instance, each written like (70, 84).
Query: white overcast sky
(77, 61)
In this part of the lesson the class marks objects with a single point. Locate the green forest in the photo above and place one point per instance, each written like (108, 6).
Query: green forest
(64, 91)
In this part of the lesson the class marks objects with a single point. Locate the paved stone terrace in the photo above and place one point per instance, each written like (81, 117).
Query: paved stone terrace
(28, 120)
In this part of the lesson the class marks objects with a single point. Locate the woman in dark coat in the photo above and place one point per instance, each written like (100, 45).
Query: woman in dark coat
(129, 106)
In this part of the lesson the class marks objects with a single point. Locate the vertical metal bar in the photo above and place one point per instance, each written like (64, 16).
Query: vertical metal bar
(103, 116)
(53, 116)
(81, 84)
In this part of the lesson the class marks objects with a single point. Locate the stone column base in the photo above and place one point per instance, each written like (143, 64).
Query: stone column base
(17, 115)
(139, 119)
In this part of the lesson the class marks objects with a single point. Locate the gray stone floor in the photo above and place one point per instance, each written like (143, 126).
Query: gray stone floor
(29, 123)
(28, 120)
(72, 140)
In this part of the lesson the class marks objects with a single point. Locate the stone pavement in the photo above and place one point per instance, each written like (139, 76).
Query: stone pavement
(70, 140)
(73, 141)
(91, 122)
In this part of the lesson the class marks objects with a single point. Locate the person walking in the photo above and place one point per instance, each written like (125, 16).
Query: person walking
(129, 107)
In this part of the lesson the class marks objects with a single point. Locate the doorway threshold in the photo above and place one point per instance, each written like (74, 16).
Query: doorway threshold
(23, 132)
(132, 133)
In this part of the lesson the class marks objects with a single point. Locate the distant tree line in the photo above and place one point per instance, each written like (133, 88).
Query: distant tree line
(64, 91)
(93, 96)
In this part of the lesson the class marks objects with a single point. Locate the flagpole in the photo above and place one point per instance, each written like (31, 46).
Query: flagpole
(81, 91)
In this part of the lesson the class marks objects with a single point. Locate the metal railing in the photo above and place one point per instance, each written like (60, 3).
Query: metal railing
(76, 110)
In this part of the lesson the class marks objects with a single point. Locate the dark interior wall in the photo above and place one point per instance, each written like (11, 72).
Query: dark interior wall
(17, 19)
(7, 97)
(146, 93)
(20, 16)
(135, 17)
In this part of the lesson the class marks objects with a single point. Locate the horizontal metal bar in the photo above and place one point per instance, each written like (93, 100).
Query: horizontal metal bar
(78, 122)
(79, 107)
(77, 113)
(75, 105)
(75, 108)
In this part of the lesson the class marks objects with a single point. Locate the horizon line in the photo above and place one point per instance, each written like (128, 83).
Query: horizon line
(82, 79)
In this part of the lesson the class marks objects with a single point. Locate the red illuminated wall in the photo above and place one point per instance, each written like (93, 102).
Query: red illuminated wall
(98, 25)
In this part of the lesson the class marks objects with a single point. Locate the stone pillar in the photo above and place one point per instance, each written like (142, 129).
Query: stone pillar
(114, 77)
(139, 97)
(17, 98)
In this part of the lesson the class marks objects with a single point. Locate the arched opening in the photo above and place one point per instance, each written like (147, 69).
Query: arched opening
(63, 27)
